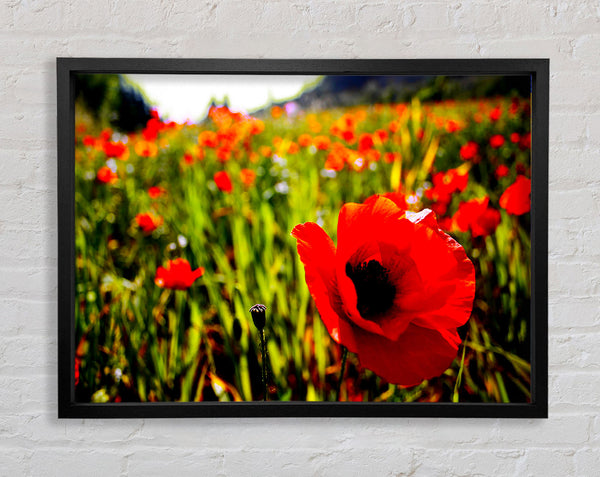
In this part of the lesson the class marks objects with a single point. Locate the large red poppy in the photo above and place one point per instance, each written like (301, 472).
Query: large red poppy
(177, 274)
(516, 199)
(393, 292)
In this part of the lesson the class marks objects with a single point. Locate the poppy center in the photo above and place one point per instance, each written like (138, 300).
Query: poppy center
(374, 291)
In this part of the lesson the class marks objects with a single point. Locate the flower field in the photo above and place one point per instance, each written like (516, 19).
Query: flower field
(182, 228)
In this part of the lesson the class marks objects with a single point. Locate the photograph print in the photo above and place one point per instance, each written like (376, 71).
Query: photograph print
(289, 238)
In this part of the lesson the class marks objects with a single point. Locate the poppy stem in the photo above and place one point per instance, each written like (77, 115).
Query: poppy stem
(264, 363)
(343, 368)
(259, 318)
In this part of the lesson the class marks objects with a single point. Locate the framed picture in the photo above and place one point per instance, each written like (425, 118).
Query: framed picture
(276, 238)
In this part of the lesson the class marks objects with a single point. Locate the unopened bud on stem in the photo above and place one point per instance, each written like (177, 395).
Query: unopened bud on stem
(259, 316)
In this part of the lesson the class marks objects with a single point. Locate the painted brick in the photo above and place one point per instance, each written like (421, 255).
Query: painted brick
(95, 463)
(548, 462)
(33, 34)
(574, 312)
(467, 462)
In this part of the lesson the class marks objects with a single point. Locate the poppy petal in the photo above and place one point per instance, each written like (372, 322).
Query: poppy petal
(516, 199)
(317, 253)
(418, 354)
(448, 276)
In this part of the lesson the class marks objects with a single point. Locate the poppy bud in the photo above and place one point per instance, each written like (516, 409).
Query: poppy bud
(258, 316)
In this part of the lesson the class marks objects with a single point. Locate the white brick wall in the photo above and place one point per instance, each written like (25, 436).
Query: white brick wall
(34, 33)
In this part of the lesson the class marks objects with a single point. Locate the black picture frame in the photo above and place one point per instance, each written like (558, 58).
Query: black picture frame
(538, 69)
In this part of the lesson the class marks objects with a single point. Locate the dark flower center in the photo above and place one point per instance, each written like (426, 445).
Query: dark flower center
(375, 294)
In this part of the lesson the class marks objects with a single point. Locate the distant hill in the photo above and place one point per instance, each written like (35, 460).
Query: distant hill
(344, 91)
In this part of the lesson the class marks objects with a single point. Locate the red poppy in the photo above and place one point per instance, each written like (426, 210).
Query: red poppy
(77, 366)
(223, 154)
(392, 156)
(393, 292)
(207, 139)
(495, 113)
(155, 192)
(223, 181)
(276, 112)
(322, 143)
(89, 140)
(304, 140)
(148, 221)
(177, 274)
(265, 151)
(256, 126)
(525, 142)
(106, 134)
(446, 183)
(106, 175)
(440, 207)
(145, 148)
(496, 141)
(153, 127)
(365, 142)
(515, 138)
(349, 136)
(396, 197)
(516, 199)
(502, 171)
(451, 126)
(476, 215)
(337, 157)
(247, 176)
(373, 155)
(469, 150)
(381, 135)
(116, 149)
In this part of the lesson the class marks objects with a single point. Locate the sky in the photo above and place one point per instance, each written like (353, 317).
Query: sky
(186, 97)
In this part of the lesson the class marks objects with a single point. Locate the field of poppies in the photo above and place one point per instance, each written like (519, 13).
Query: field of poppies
(389, 243)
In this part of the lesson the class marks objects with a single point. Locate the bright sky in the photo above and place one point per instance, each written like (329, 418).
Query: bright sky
(183, 97)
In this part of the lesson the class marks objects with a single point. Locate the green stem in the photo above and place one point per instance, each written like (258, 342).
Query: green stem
(339, 385)
(264, 363)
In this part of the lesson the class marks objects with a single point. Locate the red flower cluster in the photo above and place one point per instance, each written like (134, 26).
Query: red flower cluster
(477, 216)
(444, 185)
(233, 129)
(393, 292)
(177, 275)
(516, 199)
